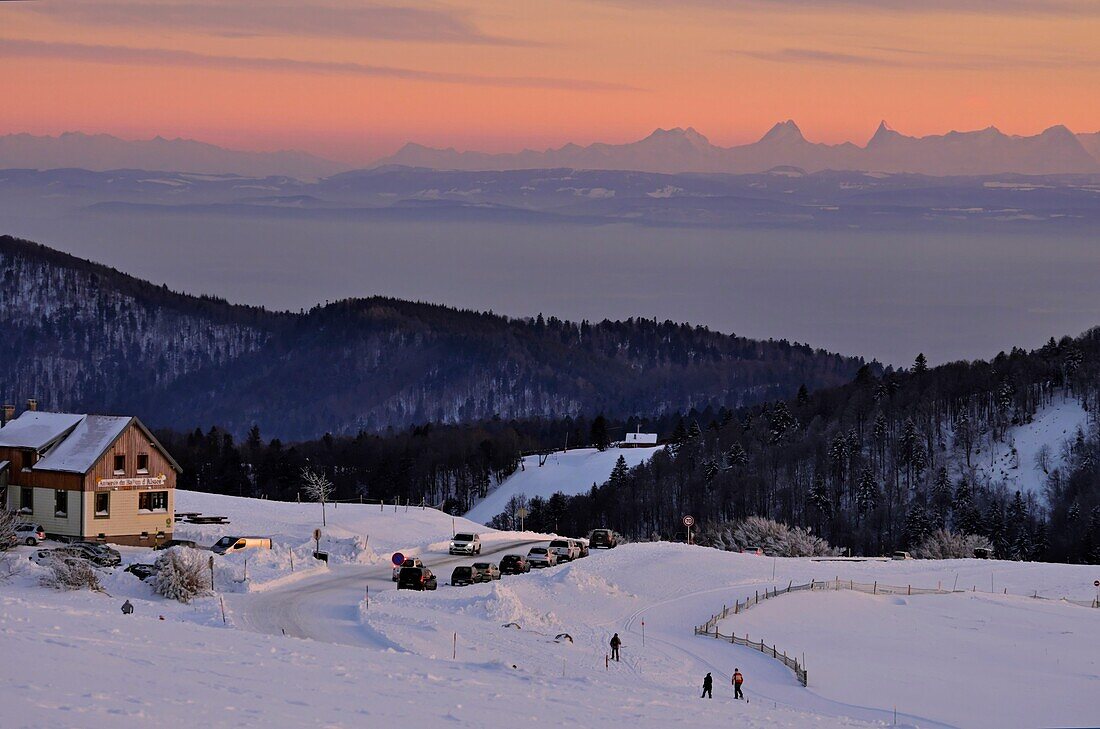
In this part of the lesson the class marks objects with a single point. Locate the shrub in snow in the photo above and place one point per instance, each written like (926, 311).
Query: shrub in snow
(8, 520)
(70, 573)
(771, 536)
(944, 544)
(182, 574)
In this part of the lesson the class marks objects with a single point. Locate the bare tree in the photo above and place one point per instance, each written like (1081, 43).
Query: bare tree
(1043, 458)
(8, 520)
(318, 488)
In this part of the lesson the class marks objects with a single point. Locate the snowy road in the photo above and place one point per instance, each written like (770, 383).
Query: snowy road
(326, 607)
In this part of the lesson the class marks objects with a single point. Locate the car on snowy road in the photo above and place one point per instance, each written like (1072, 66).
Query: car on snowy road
(541, 557)
(416, 578)
(142, 571)
(582, 546)
(603, 539)
(409, 562)
(488, 568)
(468, 576)
(514, 564)
(29, 533)
(465, 543)
(94, 552)
(566, 549)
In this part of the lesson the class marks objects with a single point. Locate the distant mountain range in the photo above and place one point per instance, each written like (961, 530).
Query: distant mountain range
(105, 152)
(84, 337)
(671, 151)
(988, 151)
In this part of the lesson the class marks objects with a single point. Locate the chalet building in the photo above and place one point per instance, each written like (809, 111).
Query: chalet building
(95, 477)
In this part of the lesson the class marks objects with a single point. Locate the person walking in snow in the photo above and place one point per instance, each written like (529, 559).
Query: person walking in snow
(615, 643)
(738, 679)
(127, 608)
(708, 683)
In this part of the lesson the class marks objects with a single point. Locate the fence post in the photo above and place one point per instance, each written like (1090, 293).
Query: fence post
(875, 589)
(910, 589)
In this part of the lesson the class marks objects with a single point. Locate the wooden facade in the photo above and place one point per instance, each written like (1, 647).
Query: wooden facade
(134, 478)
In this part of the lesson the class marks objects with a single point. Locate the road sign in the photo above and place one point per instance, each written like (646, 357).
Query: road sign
(522, 513)
(397, 559)
(689, 521)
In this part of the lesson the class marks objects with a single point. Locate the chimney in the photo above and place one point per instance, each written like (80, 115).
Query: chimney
(32, 405)
(9, 413)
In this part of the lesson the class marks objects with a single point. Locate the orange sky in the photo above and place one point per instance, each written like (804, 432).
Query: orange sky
(354, 80)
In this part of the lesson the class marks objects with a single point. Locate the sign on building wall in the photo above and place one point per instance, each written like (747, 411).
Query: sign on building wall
(131, 483)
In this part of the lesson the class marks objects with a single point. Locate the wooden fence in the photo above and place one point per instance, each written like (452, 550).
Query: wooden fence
(710, 628)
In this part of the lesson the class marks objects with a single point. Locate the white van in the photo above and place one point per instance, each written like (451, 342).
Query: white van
(225, 545)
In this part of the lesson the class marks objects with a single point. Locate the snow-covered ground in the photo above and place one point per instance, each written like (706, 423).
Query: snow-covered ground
(1013, 462)
(570, 472)
(309, 650)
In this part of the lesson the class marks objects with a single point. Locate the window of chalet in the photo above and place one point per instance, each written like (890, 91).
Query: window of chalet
(61, 503)
(120, 465)
(28, 457)
(103, 504)
(153, 501)
(26, 500)
(143, 463)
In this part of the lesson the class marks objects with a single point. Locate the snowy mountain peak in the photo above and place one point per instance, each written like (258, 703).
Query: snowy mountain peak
(785, 131)
(883, 133)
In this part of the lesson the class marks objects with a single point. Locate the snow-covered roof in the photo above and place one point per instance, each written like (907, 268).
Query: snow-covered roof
(34, 429)
(89, 440)
(644, 438)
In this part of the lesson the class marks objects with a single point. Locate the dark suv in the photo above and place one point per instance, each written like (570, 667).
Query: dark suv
(416, 578)
(603, 539)
(468, 576)
(514, 564)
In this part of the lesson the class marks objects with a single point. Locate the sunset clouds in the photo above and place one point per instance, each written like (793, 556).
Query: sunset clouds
(356, 79)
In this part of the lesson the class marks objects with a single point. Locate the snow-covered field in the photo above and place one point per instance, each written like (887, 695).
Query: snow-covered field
(309, 650)
(570, 472)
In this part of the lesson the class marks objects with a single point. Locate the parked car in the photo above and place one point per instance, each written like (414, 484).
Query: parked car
(468, 576)
(488, 568)
(541, 557)
(409, 562)
(225, 545)
(753, 550)
(417, 578)
(901, 555)
(95, 552)
(41, 556)
(465, 543)
(29, 533)
(176, 543)
(142, 571)
(514, 564)
(566, 550)
(603, 539)
(983, 553)
(582, 546)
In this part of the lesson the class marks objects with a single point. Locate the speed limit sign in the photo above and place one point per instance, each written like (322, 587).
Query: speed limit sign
(689, 521)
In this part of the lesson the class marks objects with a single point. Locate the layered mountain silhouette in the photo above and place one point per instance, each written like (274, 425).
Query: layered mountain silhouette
(105, 152)
(83, 337)
(1057, 150)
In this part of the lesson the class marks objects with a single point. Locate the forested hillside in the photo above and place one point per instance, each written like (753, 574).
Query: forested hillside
(80, 336)
(877, 465)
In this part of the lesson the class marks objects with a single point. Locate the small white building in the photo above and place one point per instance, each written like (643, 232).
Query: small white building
(636, 440)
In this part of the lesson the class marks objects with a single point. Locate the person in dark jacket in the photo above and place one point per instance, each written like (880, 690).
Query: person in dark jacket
(127, 608)
(708, 684)
(615, 643)
(738, 679)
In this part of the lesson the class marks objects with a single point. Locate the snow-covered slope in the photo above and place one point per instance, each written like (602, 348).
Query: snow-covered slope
(963, 659)
(570, 472)
(1015, 461)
